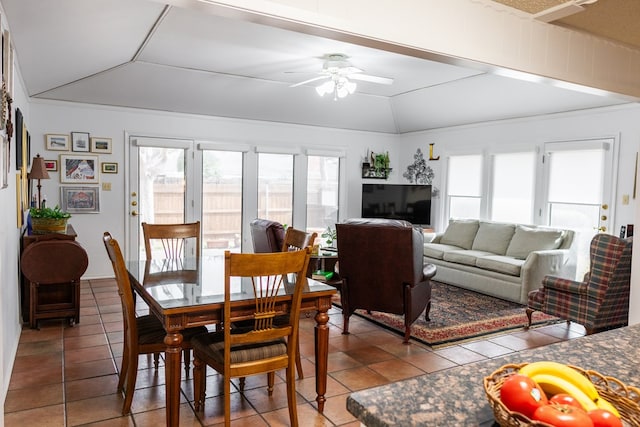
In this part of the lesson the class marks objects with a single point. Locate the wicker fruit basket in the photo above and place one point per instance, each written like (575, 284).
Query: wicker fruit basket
(626, 399)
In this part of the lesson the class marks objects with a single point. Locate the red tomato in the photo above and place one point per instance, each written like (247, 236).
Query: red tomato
(562, 416)
(519, 393)
(565, 399)
(604, 418)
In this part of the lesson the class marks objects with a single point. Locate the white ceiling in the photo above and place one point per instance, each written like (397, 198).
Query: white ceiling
(144, 54)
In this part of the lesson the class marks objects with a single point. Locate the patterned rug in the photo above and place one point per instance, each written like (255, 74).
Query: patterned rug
(459, 315)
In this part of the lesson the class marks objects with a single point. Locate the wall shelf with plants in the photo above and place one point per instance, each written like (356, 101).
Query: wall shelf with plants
(376, 166)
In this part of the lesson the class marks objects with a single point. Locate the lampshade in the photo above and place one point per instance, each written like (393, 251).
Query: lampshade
(38, 169)
(339, 86)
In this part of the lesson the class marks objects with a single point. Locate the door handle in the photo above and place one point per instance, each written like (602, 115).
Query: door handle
(134, 213)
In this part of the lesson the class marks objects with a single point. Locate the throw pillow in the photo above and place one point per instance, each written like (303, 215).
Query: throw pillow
(493, 237)
(528, 239)
(461, 233)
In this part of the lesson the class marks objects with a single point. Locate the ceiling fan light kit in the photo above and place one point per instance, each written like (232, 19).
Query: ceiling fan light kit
(338, 72)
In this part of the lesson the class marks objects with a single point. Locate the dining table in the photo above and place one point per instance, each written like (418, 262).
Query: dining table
(188, 292)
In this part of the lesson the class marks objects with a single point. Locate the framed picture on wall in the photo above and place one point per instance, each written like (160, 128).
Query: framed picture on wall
(80, 199)
(80, 141)
(57, 142)
(78, 169)
(109, 167)
(101, 145)
(51, 165)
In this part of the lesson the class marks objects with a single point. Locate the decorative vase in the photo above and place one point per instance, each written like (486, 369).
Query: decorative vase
(49, 225)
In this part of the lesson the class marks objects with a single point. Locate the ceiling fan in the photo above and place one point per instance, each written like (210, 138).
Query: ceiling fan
(338, 73)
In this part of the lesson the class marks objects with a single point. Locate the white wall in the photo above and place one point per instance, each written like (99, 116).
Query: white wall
(57, 117)
(10, 321)
(618, 122)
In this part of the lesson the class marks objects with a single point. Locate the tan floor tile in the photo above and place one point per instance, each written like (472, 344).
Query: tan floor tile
(124, 421)
(27, 363)
(459, 355)
(335, 409)
(359, 378)
(487, 348)
(38, 376)
(396, 370)
(157, 417)
(91, 387)
(83, 341)
(307, 416)
(369, 355)
(48, 416)
(429, 362)
(96, 368)
(87, 354)
(34, 397)
(214, 406)
(100, 408)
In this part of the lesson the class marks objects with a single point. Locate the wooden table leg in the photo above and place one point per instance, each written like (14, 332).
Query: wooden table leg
(172, 371)
(322, 353)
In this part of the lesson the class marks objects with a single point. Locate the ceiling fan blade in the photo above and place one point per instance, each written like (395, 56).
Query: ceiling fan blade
(309, 81)
(372, 79)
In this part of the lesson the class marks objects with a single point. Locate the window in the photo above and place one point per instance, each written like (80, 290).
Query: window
(221, 200)
(465, 186)
(513, 185)
(323, 175)
(275, 187)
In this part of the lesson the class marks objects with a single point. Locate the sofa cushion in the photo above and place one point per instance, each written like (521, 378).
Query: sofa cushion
(460, 233)
(467, 257)
(437, 250)
(493, 237)
(501, 264)
(527, 239)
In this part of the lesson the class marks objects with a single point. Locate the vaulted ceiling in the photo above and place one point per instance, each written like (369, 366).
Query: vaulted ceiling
(145, 54)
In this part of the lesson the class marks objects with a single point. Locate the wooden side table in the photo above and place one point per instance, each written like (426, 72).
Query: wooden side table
(326, 262)
(26, 240)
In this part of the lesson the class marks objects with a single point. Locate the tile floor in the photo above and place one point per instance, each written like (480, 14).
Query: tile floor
(67, 376)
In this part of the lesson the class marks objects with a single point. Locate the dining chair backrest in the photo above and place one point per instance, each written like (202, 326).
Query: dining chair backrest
(173, 238)
(124, 287)
(268, 275)
(266, 235)
(297, 239)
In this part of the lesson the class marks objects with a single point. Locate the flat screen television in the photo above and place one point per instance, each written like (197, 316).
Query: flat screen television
(397, 201)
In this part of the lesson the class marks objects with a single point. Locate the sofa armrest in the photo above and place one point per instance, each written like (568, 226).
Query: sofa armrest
(555, 262)
(564, 285)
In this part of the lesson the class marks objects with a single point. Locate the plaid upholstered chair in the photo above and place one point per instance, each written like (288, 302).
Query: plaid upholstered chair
(599, 302)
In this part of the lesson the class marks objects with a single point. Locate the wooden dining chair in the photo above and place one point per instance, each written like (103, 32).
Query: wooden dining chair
(265, 347)
(295, 240)
(142, 334)
(173, 238)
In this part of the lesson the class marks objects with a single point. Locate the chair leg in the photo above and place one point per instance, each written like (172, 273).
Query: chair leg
(156, 360)
(187, 361)
(291, 396)
(227, 402)
(132, 373)
(407, 334)
(529, 312)
(271, 379)
(345, 324)
(426, 312)
(124, 367)
(243, 381)
(299, 362)
(199, 383)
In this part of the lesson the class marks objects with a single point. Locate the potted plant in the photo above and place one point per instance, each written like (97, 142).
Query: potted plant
(330, 234)
(47, 220)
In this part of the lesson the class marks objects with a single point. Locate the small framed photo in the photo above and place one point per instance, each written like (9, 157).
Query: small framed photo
(80, 141)
(80, 199)
(109, 167)
(101, 145)
(57, 142)
(51, 165)
(78, 169)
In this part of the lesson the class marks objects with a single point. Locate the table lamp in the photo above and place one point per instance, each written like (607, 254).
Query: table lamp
(38, 171)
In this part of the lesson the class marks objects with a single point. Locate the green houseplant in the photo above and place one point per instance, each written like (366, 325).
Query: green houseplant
(48, 220)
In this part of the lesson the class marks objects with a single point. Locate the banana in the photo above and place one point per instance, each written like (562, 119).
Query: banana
(552, 384)
(562, 371)
(605, 404)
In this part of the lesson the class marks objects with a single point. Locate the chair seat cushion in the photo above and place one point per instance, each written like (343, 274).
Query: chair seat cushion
(211, 346)
(437, 250)
(151, 331)
(501, 264)
(465, 257)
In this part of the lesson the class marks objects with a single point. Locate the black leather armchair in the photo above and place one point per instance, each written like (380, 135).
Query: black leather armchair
(381, 266)
(267, 235)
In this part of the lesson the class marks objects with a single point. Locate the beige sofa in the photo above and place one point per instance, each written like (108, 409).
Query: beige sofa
(500, 259)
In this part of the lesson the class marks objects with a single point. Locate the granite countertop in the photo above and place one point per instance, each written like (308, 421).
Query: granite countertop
(456, 397)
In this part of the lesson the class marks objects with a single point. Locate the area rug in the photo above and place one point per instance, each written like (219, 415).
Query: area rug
(459, 315)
